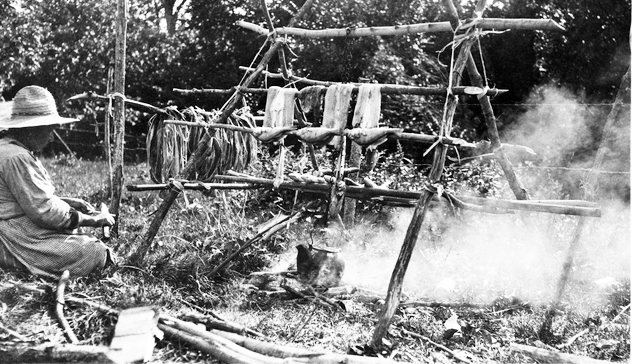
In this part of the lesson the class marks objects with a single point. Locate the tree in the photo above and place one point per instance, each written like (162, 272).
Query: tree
(20, 43)
(593, 53)
(67, 46)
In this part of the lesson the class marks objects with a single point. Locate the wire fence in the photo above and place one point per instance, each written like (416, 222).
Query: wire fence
(90, 144)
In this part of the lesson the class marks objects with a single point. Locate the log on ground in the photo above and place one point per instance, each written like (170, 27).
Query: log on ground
(548, 356)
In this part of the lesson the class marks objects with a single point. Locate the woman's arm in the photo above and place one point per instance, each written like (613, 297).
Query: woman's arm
(80, 205)
(97, 220)
(33, 190)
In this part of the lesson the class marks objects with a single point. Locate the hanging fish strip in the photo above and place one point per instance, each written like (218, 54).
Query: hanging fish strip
(170, 146)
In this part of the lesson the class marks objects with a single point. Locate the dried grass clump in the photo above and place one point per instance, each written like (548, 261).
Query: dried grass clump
(169, 146)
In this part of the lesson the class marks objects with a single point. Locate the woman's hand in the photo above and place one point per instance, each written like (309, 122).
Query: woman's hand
(96, 220)
(80, 205)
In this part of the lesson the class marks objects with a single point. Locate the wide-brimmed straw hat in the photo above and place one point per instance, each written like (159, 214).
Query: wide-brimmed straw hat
(32, 106)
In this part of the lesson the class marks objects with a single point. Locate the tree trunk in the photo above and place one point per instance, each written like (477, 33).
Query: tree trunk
(171, 17)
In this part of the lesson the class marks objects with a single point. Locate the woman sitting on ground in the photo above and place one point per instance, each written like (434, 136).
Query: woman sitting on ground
(36, 227)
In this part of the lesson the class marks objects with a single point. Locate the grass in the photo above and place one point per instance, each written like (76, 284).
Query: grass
(456, 260)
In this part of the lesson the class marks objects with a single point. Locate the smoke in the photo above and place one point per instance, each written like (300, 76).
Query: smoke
(555, 126)
(566, 133)
(482, 257)
(479, 257)
(476, 259)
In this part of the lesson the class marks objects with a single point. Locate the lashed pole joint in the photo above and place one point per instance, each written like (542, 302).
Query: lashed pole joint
(137, 256)
(412, 234)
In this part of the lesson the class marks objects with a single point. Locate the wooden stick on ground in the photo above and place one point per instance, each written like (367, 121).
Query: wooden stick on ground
(329, 301)
(267, 348)
(59, 308)
(317, 300)
(222, 324)
(95, 305)
(53, 353)
(210, 347)
(231, 348)
(82, 301)
(570, 341)
(547, 356)
(15, 334)
(443, 304)
(262, 235)
(303, 321)
(438, 346)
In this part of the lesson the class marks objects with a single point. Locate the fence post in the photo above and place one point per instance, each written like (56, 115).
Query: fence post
(119, 110)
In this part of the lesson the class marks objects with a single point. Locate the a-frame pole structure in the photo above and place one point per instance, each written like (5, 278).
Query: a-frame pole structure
(138, 255)
(463, 61)
(412, 234)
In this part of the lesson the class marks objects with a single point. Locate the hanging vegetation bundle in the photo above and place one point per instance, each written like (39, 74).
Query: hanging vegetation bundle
(169, 146)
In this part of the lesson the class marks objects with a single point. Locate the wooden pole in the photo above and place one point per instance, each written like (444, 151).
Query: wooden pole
(487, 205)
(590, 186)
(490, 120)
(128, 102)
(385, 88)
(355, 157)
(119, 111)
(262, 235)
(137, 256)
(337, 193)
(72, 154)
(398, 135)
(485, 24)
(107, 145)
(410, 240)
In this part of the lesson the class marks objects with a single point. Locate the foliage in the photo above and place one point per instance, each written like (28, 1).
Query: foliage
(68, 47)
(592, 54)
(477, 178)
(62, 46)
(213, 57)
